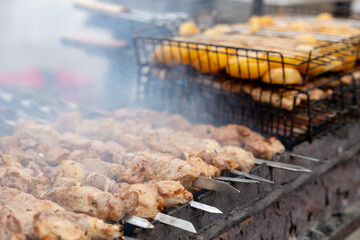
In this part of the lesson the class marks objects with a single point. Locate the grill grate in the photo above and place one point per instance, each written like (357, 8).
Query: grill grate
(219, 101)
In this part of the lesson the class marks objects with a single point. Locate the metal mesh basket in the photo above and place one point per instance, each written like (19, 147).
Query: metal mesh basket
(271, 58)
(271, 111)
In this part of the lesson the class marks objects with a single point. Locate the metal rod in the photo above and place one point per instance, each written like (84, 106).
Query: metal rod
(285, 166)
(306, 158)
(251, 176)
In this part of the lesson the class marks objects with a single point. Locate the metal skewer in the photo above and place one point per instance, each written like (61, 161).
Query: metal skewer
(286, 166)
(175, 222)
(204, 207)
(251, 176)
(130, 238)
(137, 221)
(306, 158)
(214, 185)
(239, 180)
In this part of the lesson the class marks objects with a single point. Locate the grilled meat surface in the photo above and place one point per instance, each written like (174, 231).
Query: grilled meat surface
(42, 219)
(137, 162)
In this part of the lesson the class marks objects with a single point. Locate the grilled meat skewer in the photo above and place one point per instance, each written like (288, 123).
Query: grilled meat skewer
(236, 135)
(164, 140)
(187, 175)
(43, 219)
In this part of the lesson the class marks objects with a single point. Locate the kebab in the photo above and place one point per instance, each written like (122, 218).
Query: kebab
(179, 144)
(27, 180)
(131, 140)
(234, 135)
(72, 197)
(92, 162)
(186, 176)
(26, 215)
(113, 128)
(26, 130)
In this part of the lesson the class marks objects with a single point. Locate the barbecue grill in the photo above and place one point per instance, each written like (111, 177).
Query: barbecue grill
(324, 129)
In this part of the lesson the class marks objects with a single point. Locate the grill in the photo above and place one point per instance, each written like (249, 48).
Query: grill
(323, 104)
(209, 92)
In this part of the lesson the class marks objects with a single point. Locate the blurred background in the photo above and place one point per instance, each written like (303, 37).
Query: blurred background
(68, 51)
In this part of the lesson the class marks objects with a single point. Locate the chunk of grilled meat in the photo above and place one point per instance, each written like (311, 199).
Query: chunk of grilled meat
(91, 201)
(29, 179)
(7, 234)
(205, 170)
(48, 225)
(109, 151)
(55, 155)
(10, 228)
(42, 134)
(167, 167)
(42, 219)
(150, 202)
(234, 135)
(173, 193)
(179, 143)
(69, 169)
(244, 159)
(133, 173)
(23, 207)
(238, 135)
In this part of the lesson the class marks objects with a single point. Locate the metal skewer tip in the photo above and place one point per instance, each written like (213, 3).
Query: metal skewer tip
(285, 166)
(239, 180)
(204, 207)
(251, 176)
(137, 221)
(130, 238)
(175, 222)
(214, 185)
(306, 158)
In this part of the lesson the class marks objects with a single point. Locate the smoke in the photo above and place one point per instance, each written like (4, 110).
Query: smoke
(35, 57)
(31, 33)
